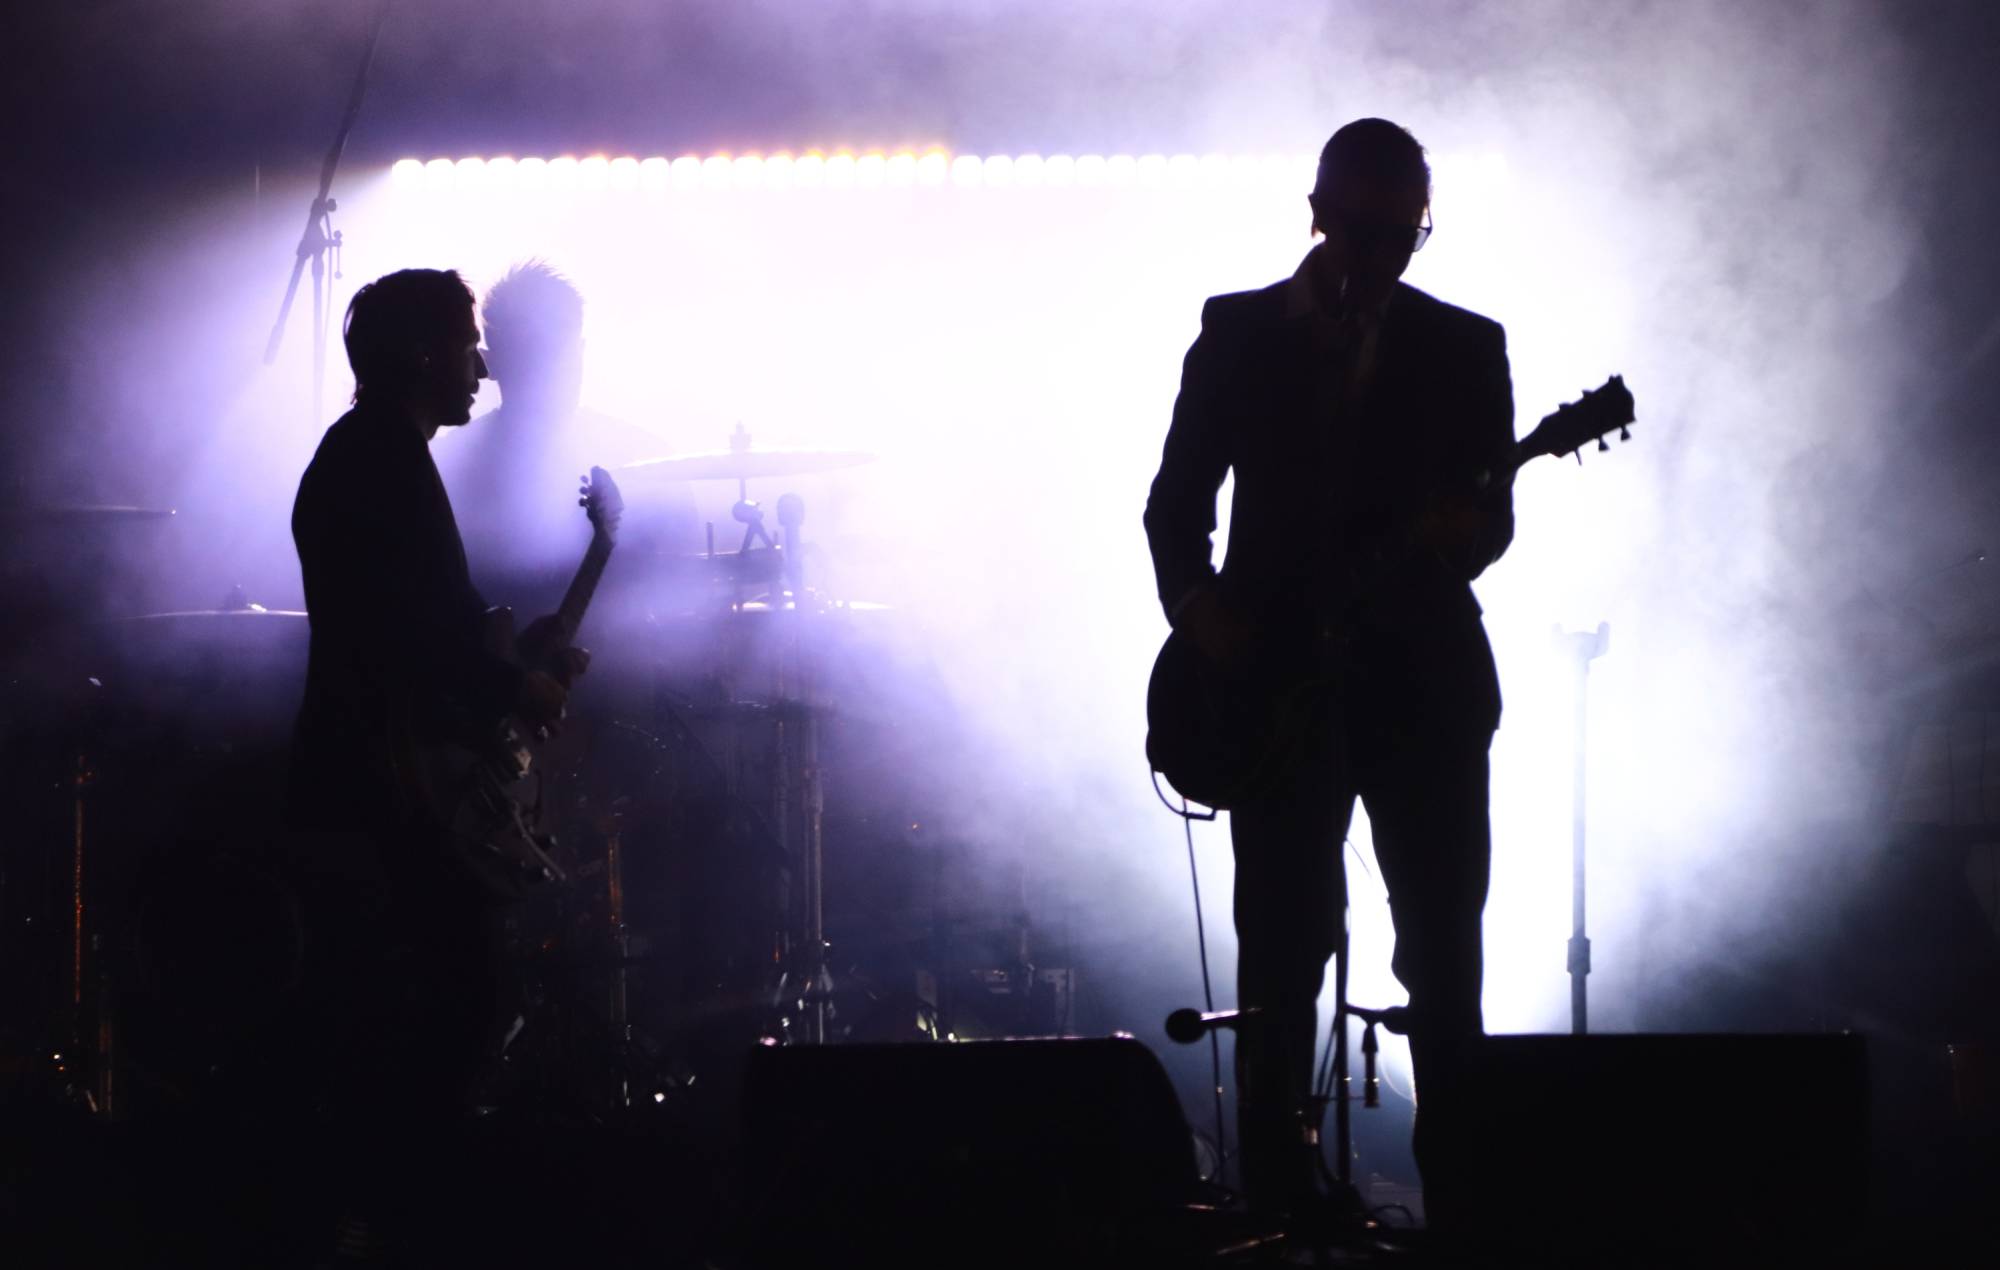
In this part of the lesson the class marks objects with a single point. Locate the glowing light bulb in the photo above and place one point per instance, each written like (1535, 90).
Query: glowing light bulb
(870, 171)
(967, 170)
(1060, 170)
(1030, 170)
(1090, 170)
(1151, 169)
(933, 169)
(999, 170)
(624, 173)
(810, 170)
(716, 170)
(439, 175)
(686, 172)
(900, 170)
(532, 173)
(655, 173)
(563, 172)
(1121, 170)
(406, 174)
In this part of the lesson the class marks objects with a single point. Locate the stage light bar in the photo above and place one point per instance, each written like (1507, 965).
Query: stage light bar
(847, 170)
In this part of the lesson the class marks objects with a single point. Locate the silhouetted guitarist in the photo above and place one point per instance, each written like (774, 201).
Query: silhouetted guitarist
(402, 996)
(1365, 422)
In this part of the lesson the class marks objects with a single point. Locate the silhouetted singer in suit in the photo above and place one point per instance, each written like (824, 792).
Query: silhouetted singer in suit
(1364, 421)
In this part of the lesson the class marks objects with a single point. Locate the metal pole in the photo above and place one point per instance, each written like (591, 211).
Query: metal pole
(1583, 647)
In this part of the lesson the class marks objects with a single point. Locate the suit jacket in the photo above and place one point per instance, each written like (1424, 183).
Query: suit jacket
(1321, 488)
(396, 621)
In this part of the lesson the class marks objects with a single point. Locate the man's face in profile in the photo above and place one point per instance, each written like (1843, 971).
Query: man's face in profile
(454, 370)
(1370, 233)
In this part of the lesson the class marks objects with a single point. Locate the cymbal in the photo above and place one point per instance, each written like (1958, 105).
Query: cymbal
(85, 513)
(254, 611)
(747, 464)
(822, 608)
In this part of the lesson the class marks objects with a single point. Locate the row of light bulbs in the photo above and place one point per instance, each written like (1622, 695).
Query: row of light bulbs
(843, 170)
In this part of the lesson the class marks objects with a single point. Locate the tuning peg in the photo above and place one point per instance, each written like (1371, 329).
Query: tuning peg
(1578, 452)
(1602, 445)
(1624, 433)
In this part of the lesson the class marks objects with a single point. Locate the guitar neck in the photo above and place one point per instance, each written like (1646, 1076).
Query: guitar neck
(576, 600)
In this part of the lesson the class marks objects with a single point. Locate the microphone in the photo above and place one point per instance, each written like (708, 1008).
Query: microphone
(1190, 1025)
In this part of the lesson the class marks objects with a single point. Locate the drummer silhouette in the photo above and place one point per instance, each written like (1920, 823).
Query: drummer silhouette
(512, 474)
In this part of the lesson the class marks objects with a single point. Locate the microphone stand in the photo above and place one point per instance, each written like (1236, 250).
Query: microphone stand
(320, 236)
(1583, 647)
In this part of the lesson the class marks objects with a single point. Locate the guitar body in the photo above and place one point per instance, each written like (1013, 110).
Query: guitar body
(480, 789)
(479, 786)
(1220, 738)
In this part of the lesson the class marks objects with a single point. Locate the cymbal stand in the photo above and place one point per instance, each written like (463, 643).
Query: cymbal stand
(618, 1011)
(799, 776)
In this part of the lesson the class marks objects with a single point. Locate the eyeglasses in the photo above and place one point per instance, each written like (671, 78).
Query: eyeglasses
(1366, 235)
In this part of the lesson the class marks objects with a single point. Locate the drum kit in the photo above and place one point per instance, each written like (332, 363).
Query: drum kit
(689, 793)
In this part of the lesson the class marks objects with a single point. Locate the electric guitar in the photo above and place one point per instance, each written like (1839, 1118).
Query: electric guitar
(481, 786)
(1217, 736)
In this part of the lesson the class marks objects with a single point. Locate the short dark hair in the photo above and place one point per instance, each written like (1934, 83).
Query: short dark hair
(533, 304)
(395, 316)
(1375, 150)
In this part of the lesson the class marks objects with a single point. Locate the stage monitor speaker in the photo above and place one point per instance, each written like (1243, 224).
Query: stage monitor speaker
(1648, 1149)
(961, 1153)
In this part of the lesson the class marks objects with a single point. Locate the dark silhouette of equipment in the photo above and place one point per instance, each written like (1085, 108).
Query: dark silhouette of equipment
(982, 1152)
(1669, 1149)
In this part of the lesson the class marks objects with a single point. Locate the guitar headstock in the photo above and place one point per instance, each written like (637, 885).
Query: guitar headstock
(1597, 414)
(601, 501)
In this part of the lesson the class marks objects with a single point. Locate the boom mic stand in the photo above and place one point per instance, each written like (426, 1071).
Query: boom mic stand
(320, 237)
